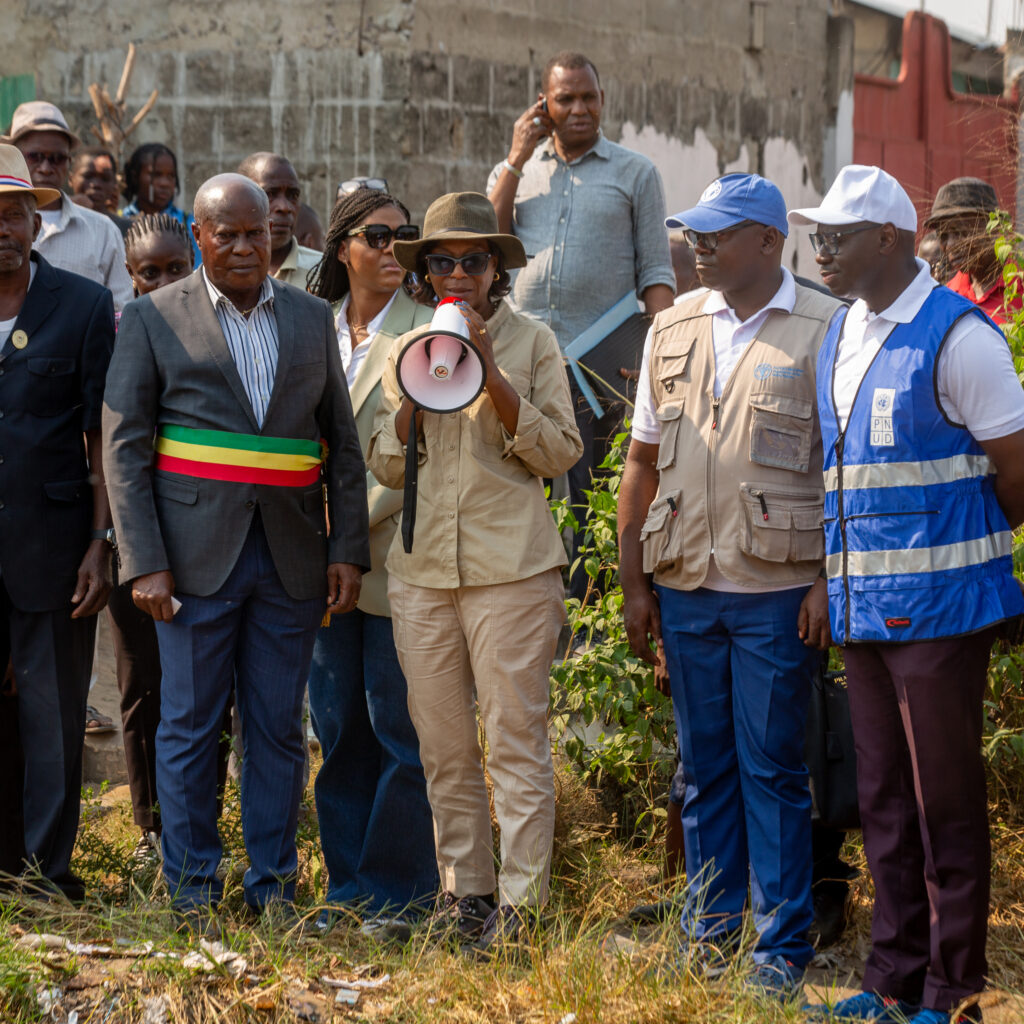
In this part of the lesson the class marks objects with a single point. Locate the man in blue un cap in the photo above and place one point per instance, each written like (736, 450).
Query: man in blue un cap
(721, 557)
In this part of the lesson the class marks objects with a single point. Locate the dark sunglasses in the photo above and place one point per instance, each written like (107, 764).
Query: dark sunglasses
(831, 241)
(346, 188)
(709, 239)
(54, 159)
(378, 236)
(474, 264)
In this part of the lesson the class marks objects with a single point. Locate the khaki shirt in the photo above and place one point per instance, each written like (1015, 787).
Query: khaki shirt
(481, 515)
(297, 265)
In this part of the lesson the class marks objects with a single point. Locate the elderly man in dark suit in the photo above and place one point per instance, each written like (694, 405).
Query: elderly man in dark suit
(56, 336)
(239, 378)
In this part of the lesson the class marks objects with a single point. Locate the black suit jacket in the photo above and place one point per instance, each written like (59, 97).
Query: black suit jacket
(172, 365)
(50, 392)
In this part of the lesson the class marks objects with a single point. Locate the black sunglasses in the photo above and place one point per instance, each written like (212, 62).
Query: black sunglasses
(54, 159)
(709, 239)
(474, 264)
(831, 241)
(378, 236)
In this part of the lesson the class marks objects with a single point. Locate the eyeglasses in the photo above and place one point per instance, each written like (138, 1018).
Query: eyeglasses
(832, 241)
(709, 239)
(378, 236)
(346, 188)
(54, 159)
(474, 264)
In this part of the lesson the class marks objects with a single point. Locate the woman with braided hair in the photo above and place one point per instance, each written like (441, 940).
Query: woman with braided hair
(151, 182)
(371, 798)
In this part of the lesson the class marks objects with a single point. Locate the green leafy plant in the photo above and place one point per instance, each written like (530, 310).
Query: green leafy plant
(610, 721)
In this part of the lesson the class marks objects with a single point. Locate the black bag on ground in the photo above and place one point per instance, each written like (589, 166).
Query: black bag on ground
(829, 752)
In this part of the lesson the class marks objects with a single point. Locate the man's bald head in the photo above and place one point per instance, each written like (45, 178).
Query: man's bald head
(232, 228)
(255, 163)
(224, 191)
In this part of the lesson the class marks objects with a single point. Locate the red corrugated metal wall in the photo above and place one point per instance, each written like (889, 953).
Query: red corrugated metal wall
(922, 132)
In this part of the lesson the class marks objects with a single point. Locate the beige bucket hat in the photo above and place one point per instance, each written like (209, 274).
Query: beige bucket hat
(461, 216)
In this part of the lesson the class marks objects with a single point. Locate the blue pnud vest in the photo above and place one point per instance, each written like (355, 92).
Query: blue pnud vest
(916, 545)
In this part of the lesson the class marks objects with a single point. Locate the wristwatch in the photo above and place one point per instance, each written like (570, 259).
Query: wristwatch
(107, 535)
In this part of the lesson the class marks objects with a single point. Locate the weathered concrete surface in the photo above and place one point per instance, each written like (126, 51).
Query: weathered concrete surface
(425, 91)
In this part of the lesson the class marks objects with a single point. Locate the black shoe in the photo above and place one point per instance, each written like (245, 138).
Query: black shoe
(656, 913)
(387, 929)
(830, 917)
(463, 917)
(505, 930)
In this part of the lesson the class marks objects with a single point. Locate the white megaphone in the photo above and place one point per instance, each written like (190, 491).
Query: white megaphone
(441, 369)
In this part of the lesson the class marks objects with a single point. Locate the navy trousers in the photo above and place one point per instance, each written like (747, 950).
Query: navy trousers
(376, 829)
(741, 680)
(252, 636)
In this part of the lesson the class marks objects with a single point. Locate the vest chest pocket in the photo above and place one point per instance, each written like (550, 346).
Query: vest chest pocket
(782, 526)
(661, 536)
(669, 419)
(671, 367)
(780, 431)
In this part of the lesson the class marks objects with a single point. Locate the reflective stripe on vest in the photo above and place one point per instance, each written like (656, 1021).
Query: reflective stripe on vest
(916, 546)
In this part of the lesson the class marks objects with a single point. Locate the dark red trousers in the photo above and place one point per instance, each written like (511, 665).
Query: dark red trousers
(917, 719)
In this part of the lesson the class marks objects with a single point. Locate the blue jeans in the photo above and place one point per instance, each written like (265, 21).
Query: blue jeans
(250, 635)
(741, 681)
(371, 797)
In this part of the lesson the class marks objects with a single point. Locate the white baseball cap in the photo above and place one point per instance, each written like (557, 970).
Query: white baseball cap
(858, 194)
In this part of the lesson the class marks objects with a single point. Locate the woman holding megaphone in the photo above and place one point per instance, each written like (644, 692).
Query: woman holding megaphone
(371, 799)
(478, 600)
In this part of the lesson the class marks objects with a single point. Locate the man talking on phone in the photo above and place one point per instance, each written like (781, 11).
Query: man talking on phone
(591, 215)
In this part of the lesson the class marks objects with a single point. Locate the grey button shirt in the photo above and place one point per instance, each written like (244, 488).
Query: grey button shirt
(594, 229)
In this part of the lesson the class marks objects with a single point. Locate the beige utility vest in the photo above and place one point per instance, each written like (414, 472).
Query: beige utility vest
(741, 474)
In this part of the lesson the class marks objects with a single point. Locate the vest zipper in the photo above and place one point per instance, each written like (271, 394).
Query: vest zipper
(711, 472)
(840, 444)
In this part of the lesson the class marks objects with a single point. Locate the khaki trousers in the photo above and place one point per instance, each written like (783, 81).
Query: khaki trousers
(501, 640)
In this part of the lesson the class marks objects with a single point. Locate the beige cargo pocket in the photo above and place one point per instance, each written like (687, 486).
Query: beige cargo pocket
(661, 536)
(780, 431)
(669, 419)
(671, 367)
(782, 526)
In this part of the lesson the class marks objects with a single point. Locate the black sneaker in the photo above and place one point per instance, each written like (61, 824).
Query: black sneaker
(506, 929)
(463, 917)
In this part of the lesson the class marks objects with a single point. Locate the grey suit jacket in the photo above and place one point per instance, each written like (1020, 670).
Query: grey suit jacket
(171, 365)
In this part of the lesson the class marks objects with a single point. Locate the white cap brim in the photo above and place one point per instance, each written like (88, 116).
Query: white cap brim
(819, 215)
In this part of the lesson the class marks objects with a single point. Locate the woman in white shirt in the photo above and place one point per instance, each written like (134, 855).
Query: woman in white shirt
(371, 799)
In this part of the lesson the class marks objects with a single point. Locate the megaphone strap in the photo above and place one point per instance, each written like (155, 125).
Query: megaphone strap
(412, 468)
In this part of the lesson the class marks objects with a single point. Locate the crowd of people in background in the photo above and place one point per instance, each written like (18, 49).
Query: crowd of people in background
(811, 464)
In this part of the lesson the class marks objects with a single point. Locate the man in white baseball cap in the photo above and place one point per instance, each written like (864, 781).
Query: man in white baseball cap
(919, 403)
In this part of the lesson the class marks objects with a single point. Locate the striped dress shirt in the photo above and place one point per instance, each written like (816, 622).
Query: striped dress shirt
(252, 341)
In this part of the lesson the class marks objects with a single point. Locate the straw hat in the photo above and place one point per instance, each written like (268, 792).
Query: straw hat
(456, 217)
(14, 177)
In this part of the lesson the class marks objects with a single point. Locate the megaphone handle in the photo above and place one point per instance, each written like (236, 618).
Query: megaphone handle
(412, 466)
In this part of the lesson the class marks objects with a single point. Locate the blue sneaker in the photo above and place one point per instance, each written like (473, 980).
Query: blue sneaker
(776, 978)
(867, 1006)
(969, 1016)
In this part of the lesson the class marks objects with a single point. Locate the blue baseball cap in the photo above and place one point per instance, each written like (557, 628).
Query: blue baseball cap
(731, 199)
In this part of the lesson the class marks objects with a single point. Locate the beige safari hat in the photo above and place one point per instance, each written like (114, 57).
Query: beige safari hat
(40, 116)
(461, 216)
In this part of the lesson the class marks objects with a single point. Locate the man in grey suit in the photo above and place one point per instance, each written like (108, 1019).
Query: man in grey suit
(239, 379)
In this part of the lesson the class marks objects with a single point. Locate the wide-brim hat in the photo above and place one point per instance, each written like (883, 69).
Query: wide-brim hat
(40, 116)
(14, 177)
(962, 195)
(457, 217)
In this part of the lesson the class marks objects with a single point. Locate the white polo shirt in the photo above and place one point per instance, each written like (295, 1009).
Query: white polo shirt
(978, 384)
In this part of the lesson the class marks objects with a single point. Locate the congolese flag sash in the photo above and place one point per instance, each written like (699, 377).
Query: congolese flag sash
(244, 458)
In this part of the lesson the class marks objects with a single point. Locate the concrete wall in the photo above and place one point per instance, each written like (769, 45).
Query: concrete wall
(425, 91)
